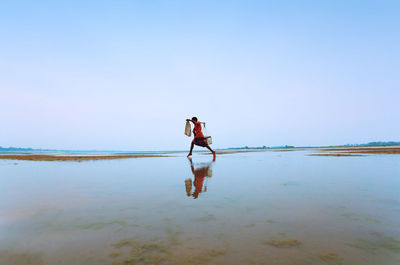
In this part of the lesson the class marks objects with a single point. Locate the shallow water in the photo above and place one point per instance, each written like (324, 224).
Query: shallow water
(247, 208)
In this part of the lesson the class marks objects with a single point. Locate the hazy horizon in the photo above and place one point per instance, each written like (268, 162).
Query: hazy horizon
(184, 150)
(125, 75)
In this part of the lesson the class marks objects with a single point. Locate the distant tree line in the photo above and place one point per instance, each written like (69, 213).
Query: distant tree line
(18, 149)
(375, 143)
(290, 146)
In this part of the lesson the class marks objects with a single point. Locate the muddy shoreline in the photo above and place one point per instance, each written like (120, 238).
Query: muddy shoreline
(329, 151)
(35, 157)
(357, 151)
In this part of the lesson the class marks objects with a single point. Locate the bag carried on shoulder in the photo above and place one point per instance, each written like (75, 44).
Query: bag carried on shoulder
(208, 138)
(188, 129)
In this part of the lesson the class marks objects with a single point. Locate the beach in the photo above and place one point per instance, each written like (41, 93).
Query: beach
(327, 151)
(78, 158)
(247, 207)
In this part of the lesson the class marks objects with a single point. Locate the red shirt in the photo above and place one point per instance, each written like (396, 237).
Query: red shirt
(197, 130)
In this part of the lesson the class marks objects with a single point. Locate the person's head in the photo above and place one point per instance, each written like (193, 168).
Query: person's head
(194, 119)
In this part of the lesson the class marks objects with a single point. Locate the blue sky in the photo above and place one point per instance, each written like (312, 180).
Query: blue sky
(124, 75)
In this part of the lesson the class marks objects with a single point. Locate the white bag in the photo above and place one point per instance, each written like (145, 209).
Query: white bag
(208, 138)
(188, 129)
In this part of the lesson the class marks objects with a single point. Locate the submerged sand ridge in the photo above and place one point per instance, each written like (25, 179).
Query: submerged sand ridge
(336, 151)
(358, 151)
(35, 157)
(368, 150)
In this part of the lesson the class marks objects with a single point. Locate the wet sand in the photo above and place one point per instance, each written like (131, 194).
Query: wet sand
(368, 150)
(237, 151)
(337, 151)
(225, 152)
(358, 151)
(339, 154)
(35, 157)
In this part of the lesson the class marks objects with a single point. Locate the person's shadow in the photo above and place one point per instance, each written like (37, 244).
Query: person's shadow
(201, 171)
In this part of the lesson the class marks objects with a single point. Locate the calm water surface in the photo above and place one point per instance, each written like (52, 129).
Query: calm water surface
(249, 208)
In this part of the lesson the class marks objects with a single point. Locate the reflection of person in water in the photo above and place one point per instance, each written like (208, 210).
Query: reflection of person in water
(201, 171)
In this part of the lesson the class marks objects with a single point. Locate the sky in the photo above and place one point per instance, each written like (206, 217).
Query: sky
(125, 75)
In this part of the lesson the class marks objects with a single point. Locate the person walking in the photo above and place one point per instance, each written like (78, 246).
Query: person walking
(199, 138)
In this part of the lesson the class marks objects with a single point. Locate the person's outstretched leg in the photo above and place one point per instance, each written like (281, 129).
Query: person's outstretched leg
(191, 149)
(212, 151)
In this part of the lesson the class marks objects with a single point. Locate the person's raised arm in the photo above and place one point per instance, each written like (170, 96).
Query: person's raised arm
(195, 122)
(191, 121)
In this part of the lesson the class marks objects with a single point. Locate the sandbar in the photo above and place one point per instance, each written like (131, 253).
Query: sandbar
(357, 151)
(35, 157)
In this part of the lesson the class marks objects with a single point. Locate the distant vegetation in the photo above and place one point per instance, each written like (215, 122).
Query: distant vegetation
(18, 149)
(15, 149)
(290, 146)
(375, 143)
